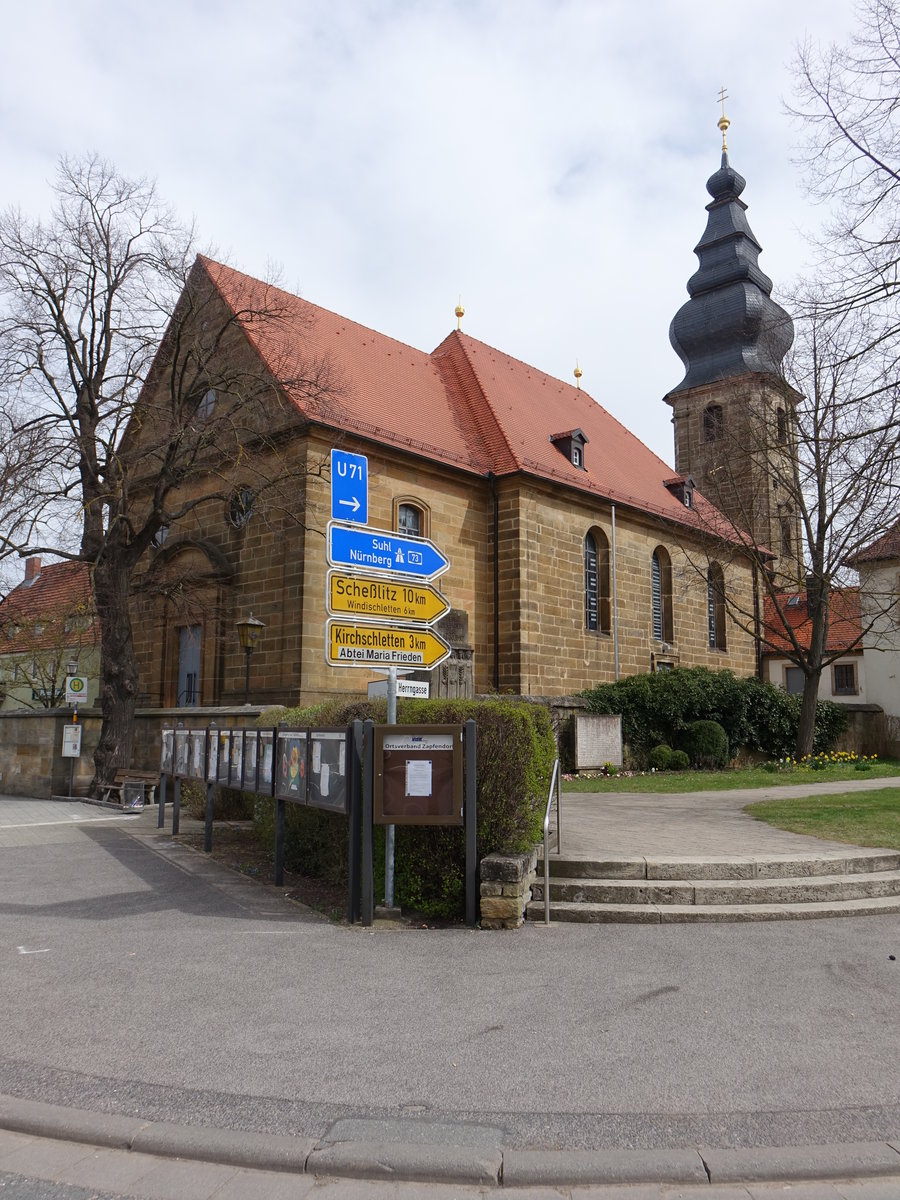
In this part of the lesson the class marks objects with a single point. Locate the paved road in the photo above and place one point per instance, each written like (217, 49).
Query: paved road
(140, 979)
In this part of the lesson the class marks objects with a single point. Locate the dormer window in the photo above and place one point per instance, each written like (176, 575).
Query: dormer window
(682, 487)
(571, 444)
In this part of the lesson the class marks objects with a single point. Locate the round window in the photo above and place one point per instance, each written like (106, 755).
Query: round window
(240, 507)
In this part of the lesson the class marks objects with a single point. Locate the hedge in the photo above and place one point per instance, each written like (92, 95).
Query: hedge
(516, 751)
(657, 708)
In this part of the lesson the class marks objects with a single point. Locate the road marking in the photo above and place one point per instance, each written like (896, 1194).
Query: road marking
(22, 950)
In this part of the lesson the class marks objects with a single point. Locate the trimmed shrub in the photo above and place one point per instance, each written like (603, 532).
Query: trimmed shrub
(679, 761)
(516, 750)
(759, 716)
(706, 744)
(660, 757)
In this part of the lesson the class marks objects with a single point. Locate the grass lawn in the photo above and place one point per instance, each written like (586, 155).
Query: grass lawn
(720, 781)
(864, 818)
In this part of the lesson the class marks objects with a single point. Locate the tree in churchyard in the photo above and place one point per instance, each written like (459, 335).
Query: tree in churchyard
(139, 391)
(847, 102)
(823, 447)
(812, 464)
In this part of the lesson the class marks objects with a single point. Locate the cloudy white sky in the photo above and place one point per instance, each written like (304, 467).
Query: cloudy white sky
(545, 159)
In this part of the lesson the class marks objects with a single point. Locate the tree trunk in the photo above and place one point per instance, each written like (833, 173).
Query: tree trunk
(807, 727)
(118, 667)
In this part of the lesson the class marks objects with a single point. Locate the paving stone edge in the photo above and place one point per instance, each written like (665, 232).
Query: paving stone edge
(450, 1164)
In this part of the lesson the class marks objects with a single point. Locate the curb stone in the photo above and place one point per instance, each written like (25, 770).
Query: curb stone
(485, 1165)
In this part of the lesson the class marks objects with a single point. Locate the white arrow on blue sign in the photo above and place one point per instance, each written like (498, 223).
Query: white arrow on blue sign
(381, 550)
(349, 487)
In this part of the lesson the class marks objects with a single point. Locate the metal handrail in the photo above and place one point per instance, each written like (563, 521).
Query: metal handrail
(554, 783)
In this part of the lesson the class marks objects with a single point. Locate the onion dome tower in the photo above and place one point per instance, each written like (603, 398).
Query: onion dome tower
(732, 412)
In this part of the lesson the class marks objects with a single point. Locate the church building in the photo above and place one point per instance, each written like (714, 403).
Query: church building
(576, 555)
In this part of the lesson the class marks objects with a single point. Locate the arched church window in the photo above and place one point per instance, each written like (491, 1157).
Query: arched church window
(715, 602)
(781, 426)
(713, 423)
(661, 595)
(597, 607)
(410, 520)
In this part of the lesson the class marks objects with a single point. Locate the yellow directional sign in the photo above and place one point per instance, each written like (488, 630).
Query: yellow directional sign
(349, 645)
(370, 596)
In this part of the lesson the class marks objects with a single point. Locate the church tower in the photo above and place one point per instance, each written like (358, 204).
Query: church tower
(733, 411)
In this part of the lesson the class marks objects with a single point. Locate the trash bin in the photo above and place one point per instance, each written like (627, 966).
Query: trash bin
(133, 794)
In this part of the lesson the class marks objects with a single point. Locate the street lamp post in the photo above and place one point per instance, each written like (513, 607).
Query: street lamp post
(249, 631)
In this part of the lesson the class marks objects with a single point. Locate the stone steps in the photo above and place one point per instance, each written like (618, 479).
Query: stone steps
(622, 889)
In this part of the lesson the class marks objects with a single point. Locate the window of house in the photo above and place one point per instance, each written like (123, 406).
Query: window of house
(843, 679)
(793, 680)
(715, 603)
(597, 606)
(661, 595)
(576, 456)
(159, 538)
(713, 423)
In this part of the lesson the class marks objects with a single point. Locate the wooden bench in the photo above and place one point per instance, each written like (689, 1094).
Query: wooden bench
(115, 791)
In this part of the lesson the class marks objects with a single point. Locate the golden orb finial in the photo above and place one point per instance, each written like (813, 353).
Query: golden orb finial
(578, 374)
(723, 122)
(460, 312)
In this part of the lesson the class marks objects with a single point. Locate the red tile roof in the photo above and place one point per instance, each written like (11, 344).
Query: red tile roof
(844, 626)
(887, 546)
(61, 590)
(466, 404)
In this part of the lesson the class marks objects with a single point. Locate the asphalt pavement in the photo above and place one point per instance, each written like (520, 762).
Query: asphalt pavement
(144, 982)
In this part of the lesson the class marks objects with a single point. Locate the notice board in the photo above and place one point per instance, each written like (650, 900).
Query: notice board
(418, 775)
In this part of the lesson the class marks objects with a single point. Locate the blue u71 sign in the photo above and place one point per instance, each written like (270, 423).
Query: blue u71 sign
(381, 550)
(349, 487)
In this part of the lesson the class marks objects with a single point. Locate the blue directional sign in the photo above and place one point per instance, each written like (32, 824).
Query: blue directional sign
(381, 550)
(349, 487)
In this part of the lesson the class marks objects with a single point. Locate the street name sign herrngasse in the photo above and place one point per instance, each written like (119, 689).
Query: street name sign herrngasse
(373, 596)
(380, 550)
(351, 645)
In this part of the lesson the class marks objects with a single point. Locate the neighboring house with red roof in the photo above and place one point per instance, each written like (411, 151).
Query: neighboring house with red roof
(787, 623)
(48, 629)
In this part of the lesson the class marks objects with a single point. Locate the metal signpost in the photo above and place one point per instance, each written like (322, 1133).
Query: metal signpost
(381, 550)
(349, 487)
(380, 579)
(356, 645)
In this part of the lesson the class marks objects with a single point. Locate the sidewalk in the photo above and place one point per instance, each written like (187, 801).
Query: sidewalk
(681, 824)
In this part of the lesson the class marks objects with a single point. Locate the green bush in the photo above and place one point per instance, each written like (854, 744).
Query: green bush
(706, 744)
(228, 804)
(759, 716)
(679, 761)
(660, 757)
(516, 750)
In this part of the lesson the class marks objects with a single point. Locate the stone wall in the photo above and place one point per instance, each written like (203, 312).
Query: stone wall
(31, 762)
(210, 574)
(506, 882)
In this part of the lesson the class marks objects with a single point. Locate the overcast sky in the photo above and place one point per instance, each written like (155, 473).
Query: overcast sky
(545, 159)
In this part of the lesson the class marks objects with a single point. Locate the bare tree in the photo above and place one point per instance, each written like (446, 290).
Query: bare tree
(847, 102)
(822, 446)
(140, 415)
